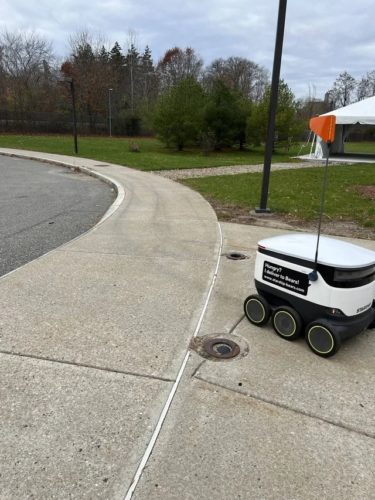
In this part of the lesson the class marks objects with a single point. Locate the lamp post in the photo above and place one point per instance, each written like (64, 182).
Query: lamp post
(70, 80)
(110, 112)
(74, 116)
(273, 107)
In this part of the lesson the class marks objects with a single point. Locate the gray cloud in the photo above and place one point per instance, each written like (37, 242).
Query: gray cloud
(321, 39)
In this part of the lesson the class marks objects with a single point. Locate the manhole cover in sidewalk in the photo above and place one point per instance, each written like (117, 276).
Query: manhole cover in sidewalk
(221, 348)
(236, 256)
(217, 347)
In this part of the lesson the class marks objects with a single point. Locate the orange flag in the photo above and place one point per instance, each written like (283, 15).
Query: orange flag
(324, 127)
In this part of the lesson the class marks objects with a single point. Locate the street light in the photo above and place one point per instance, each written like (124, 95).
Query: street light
(68, 79)
(129, 66)
(110, 112)
(273, 107)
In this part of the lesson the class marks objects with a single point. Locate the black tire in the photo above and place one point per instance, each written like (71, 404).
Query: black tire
(257, 310)
(322, 339)
(287, 323)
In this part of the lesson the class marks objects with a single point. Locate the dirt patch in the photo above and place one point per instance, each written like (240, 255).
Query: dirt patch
(366, 191)
(348, 228)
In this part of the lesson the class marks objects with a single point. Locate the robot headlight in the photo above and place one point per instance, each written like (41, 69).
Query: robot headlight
(335, 312)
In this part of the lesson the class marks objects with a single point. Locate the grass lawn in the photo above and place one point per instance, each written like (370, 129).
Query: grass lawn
(297, 192)
(360, 147)
(294, 192)
(153, 154)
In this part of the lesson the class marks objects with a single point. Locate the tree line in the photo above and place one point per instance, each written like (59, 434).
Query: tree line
(178, 97)
(33, 83)
(346, 89)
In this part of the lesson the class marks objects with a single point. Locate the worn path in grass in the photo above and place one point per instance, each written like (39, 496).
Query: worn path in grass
(187, 173)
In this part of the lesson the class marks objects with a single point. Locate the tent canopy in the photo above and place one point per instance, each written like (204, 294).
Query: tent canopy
(362, 112)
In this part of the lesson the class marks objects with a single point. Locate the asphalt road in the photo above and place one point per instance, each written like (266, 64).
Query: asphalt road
(43, 206)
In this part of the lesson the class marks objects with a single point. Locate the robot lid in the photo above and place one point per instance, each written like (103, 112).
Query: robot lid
(332, 252)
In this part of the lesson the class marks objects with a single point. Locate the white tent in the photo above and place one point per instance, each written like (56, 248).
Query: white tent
(359, 113)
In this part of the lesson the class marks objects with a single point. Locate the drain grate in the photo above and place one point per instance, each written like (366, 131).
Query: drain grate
(236, 256)
(221, 348)
(101, 165)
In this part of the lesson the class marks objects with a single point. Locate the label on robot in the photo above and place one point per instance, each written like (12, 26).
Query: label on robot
(286, 278)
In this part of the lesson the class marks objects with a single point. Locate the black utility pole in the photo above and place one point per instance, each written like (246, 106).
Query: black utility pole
(74, 115)
(68, 79)
(273, 107)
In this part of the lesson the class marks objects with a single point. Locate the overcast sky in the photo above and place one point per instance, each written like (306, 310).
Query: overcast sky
(322, 39)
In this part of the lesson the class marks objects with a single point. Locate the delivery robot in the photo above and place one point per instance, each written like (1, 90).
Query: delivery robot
(329, 299)
(313, 284)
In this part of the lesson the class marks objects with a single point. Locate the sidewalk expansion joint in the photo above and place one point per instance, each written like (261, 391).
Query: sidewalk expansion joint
(194, 374)
(86, 365)
(236, 324)
(289, 408)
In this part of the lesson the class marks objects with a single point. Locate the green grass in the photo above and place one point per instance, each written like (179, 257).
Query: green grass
(360, 147)
(294, 192)
(297, 192)
(153, 154)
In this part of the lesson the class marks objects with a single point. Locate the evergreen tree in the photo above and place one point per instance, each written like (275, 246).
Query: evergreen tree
(178, 118)
(225, 116)
(131, 64)
(148, 80)
(288, 126)
(147, 63)
(116, 57)
(103, 56)
(84, 54)
(91, 77)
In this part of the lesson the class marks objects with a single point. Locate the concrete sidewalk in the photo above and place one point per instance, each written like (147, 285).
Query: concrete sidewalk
(276, 423)
(92, 336)
(92, 339)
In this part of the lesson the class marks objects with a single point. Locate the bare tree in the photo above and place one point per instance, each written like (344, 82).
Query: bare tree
(178, 64)
(366, 86)
(25, 62)
(240, 74)
(24, 55)
(343, 89)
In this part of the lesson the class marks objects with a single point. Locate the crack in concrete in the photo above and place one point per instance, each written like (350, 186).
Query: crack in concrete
(236, 324)
(85, 365)
(289, 408)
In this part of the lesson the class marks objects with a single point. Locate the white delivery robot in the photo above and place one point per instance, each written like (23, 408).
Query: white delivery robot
(329, 300)
(317, 285)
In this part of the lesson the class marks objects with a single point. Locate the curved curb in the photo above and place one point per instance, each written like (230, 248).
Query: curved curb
(86, 170)
(119, 188)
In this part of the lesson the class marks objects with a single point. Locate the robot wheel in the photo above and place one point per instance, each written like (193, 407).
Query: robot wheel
(257, 310)
(322, 339)
(287, 322)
